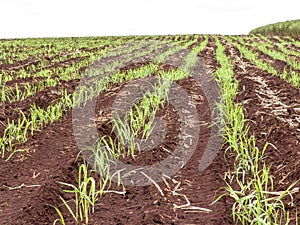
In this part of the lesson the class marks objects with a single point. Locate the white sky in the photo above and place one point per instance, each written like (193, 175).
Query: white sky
(57, 18)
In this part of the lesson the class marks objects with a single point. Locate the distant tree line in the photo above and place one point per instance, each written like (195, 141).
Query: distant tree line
(290, 28)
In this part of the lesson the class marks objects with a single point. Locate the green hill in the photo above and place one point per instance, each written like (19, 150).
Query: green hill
(291, 28)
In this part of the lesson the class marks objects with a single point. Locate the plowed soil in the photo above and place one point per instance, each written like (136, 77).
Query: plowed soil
(29, 181)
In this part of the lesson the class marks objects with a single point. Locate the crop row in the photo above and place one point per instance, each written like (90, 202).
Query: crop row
(268, 49)
(250, 184)
(16, 131)
(287, 45)
(104, 67)
(22, 49)
(290, 76)
(15, 93)
(252, 198)
(25, 49)
(140, 117)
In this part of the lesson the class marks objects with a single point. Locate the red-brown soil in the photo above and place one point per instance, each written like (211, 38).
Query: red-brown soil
(28, 182)
(272, 107)
(45, 163)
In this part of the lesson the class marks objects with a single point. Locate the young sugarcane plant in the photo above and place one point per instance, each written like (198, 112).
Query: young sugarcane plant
(85, 193)
(140, 119)
(14, 133)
